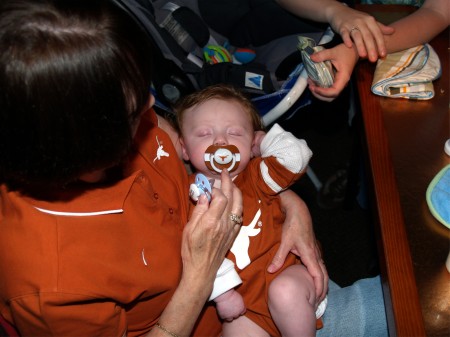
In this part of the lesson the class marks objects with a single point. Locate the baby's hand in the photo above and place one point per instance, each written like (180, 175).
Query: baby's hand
(230, 305)
(256, 146)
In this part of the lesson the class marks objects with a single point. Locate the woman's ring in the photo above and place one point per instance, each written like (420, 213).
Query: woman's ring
(353, 28)
(236, 219)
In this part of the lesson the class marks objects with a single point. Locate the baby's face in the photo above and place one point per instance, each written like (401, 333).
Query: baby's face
(216, 122)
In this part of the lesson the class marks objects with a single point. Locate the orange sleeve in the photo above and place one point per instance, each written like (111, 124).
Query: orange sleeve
(274, 175)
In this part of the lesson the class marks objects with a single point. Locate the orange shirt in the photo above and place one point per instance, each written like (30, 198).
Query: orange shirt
(100, 261)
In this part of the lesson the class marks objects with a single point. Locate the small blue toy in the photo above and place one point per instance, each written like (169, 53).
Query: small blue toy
(199, 187)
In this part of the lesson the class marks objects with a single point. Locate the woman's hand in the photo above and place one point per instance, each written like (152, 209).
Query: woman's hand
(207, 237)
(360, 29)
(210, 232)
(298, 238)
(344, 60)
(355, 27)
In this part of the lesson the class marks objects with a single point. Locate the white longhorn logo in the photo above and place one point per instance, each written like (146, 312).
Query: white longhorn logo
(242, 242)
(160, 152)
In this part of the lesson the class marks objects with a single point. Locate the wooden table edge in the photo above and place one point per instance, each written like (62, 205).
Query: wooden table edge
(401, 297)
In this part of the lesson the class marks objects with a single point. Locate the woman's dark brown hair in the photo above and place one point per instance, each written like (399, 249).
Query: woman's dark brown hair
(72, 75)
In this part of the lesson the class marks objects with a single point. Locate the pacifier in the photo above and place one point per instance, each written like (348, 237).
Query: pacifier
(218, 158)
(201, 186)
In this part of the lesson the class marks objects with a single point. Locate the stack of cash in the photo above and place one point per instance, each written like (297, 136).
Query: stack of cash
(320, 72)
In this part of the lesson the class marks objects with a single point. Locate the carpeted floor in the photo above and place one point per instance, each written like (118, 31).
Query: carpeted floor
(341, 224)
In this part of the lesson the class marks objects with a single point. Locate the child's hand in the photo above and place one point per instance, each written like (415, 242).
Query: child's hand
(230, 305)
(344, 60)
(256, 146)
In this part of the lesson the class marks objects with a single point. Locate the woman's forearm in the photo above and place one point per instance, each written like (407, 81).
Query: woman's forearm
(317, 10)
(180, 315)
(207, 237)
(419, 27)
(355, 27)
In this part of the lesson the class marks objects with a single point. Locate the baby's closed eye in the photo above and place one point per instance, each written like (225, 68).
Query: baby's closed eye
(203, 133)
(236, 132)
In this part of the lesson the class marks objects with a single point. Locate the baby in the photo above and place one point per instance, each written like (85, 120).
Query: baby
(220, 129)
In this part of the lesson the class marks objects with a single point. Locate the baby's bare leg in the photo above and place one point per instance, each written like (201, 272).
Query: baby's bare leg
(292, 301)
(243, 327)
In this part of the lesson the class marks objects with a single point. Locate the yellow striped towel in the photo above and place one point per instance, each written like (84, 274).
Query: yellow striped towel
(408, 73)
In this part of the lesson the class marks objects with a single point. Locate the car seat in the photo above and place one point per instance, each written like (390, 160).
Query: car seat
(275, 78)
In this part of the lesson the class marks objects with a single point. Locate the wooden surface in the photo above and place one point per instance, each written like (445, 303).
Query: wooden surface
(400, 289)
(405, 141)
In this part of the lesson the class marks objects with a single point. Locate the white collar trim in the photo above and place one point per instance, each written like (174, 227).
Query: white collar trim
(111, 211)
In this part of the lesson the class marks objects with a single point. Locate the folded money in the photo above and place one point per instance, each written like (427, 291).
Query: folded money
(320, 72)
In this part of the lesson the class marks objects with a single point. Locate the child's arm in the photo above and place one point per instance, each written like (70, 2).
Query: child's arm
(227, 278)
(283, 161)
(289, 151)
